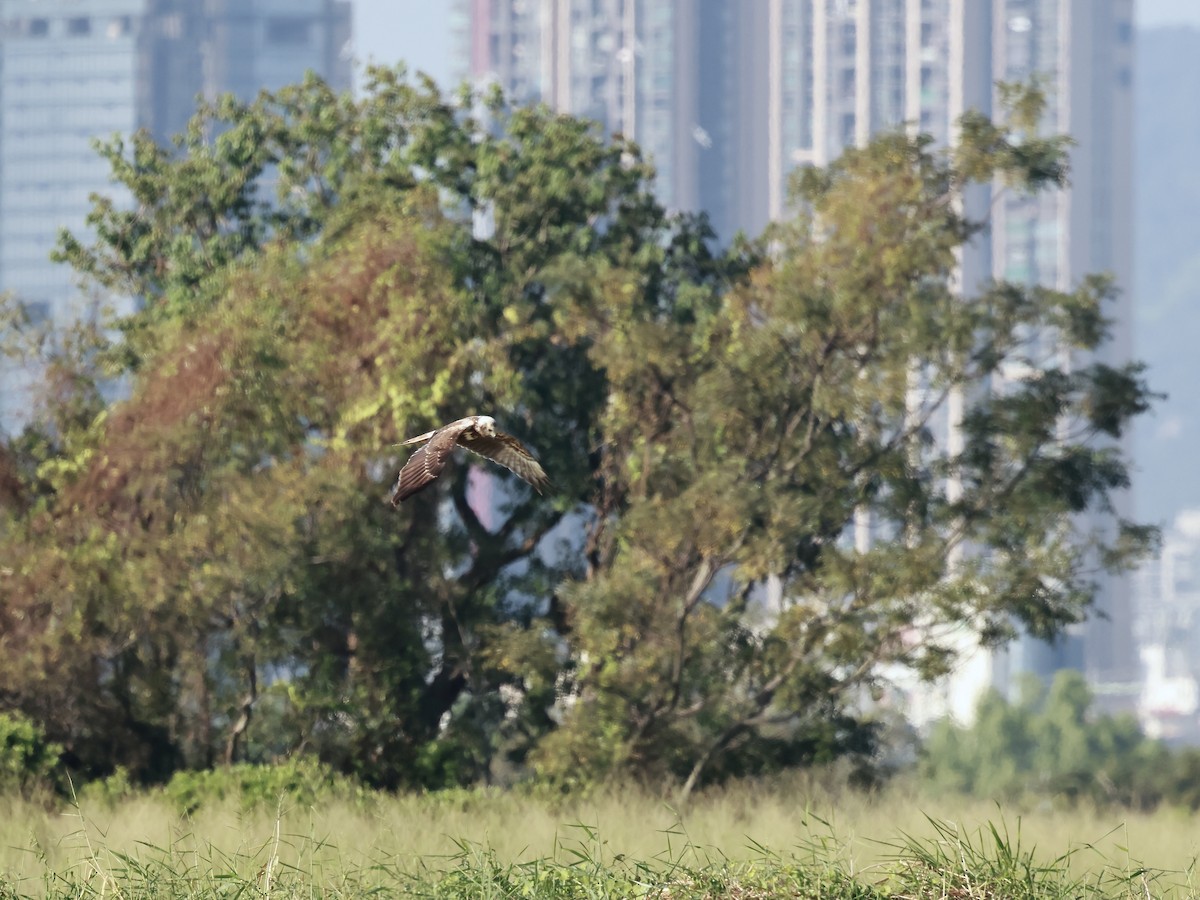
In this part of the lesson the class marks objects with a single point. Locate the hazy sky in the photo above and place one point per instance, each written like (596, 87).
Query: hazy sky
(418, 31)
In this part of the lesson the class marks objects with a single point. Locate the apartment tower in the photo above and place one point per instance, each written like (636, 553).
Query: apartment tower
(73, 71)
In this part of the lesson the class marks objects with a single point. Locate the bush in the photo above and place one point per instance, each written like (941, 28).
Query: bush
(303, 781)
(28, 762)
(1050, 744)
(108, 791)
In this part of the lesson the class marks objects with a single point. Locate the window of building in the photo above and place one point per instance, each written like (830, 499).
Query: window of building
(37, 27)
(287, 30)
(119, 27)
(79, 26)
(848, 38)
(847, 82)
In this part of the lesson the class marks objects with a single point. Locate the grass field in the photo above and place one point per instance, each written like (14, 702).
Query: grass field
(751, 841)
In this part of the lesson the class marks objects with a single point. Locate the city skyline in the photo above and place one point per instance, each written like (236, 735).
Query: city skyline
(73, 75)
(418, 32)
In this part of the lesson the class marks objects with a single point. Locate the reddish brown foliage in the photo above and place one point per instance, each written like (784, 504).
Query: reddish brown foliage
(344, 310)
(351, 303)
(181, 390)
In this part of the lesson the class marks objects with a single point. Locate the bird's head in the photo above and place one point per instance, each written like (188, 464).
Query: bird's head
(486, 426)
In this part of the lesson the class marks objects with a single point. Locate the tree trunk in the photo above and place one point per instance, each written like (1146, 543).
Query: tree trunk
(243, 722)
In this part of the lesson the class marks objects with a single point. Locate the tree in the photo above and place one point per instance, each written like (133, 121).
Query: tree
(729, 622)
(1051, 743)
(209, 571)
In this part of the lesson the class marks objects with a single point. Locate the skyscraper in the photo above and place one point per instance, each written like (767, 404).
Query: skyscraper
(727, 99)
(73, 72)
(671, 75)
(212, 47)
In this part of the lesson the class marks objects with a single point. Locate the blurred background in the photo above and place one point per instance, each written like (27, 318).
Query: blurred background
(727, 99)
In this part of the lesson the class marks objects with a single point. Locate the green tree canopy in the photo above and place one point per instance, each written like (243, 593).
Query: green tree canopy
(1050, 743)
(731, 608)
(208, 569)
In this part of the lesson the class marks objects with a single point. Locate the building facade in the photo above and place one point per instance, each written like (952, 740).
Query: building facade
(728, 99)
(1168, 628)
(74, 71)
(677, 77)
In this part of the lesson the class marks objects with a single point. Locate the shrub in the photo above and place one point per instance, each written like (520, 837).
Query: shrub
(108, 791)
(303, 781)
(28, 762)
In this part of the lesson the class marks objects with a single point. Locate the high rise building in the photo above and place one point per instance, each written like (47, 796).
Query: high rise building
(677, 77)
(1169, 630)
(727, 99)
(72, 72)
(212, 47)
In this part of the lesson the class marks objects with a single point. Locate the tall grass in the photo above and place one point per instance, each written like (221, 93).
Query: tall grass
(789, 839)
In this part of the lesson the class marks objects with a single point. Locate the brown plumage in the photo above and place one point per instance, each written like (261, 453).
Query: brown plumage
(479, 435)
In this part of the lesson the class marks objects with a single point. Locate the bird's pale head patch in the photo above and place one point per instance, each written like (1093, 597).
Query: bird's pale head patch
(485, 425)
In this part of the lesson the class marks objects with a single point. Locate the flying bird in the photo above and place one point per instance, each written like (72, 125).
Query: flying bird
(479, 435)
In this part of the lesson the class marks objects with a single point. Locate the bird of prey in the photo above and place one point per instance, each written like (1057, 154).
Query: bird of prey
(479, 435)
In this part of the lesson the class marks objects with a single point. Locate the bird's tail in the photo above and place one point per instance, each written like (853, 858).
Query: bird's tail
(419, 439)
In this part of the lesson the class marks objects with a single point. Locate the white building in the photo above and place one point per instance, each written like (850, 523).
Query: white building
(74, 71)
(1168, 629)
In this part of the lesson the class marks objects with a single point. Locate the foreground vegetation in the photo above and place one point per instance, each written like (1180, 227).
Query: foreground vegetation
(784, 839)
(1075, 821)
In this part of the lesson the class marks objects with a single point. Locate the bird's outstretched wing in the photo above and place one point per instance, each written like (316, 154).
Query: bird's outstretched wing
(424, 466)
(510, 453)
